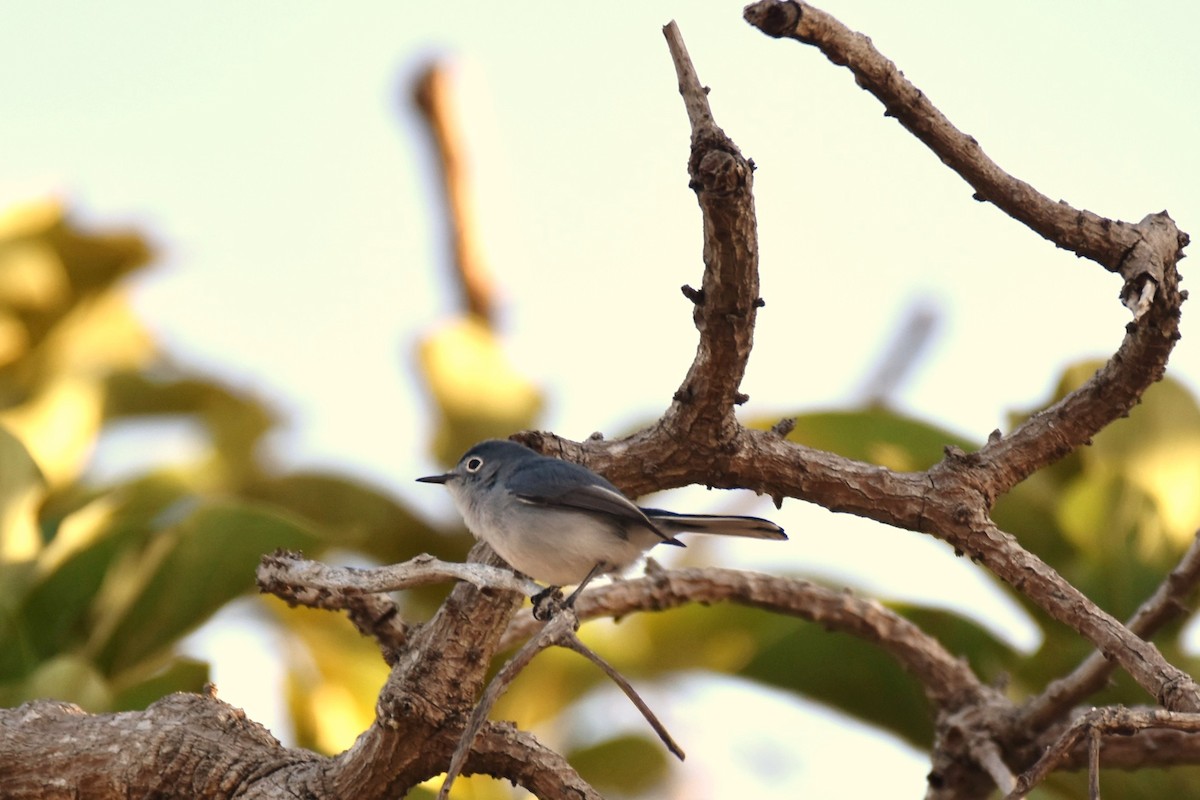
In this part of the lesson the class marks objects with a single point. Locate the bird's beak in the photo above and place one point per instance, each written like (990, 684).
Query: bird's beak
(436, 478)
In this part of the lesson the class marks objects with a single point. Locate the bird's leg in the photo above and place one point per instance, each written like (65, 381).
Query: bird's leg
(596, 570)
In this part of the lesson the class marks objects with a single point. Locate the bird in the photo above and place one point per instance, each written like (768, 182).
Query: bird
(562, 524)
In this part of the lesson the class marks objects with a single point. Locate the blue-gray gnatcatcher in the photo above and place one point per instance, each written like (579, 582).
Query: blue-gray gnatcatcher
(562, 524)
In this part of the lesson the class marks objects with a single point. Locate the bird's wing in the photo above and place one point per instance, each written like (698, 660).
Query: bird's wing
(562, 484)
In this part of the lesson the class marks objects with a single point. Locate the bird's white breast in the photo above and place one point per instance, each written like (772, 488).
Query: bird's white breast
(550, 545)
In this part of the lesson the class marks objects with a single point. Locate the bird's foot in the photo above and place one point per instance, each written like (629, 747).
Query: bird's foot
(547, 602)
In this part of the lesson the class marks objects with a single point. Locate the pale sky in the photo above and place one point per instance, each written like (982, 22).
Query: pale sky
(264, 148)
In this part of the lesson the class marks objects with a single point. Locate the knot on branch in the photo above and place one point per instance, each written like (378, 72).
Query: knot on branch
(775, 19)
(1149, 265)
(695, 295)
(718, 171)
(1180, 693)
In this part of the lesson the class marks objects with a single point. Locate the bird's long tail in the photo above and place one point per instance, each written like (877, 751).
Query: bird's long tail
(752, 527)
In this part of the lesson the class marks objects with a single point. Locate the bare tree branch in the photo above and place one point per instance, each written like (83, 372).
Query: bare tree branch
(947, 680)
(1144, 254)
(727, 304)
(312, 583)
(563, 624)
(1154, 244)
(122, 755)
(428, 692)
(432, 98)
(1147, 748)
(699, 425)
(439, 669)
(1110, 720)
(1168, 603)
(1083, 232)
(503, 750)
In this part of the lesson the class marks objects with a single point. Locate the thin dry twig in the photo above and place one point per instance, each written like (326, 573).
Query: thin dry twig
(987, 754)
(1146, 749)
(1094, 764)
(562, 623)
(947, 680)
(1088, 234)
(560, 630)
(431, 96)
(1113, 720)
(573, 643)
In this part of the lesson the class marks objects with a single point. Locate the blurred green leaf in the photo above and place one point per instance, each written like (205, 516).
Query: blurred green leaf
(333, 677)
(990, 657)
(848, 674)
(1112, 517)
(181, 674)
(58, 613)
(72, 679)
(875, 435)
(629, 764)
(235, 421)
(354, 515)
(477, 391)
(21, 491)
(190, 569)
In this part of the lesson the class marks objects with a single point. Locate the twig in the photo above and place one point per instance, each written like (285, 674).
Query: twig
(1094, 764)
(724, 310)
(986, 754)
(361, 592)
(1095, 723)
(431, 95)
(695, 96)
(1168, 603)
(373, 615)
(948, 681)
(572, 642)
(1083, 232)
(1144, 254)
(562, 623)
(723, 181)
(1148, 748)
(1025, 572)
(560, 630)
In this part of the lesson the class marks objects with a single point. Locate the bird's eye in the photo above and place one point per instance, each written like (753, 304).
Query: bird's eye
(474, 463)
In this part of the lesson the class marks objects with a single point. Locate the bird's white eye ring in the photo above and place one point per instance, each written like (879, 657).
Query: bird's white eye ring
(474, 463)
